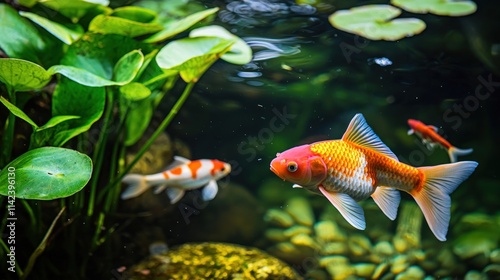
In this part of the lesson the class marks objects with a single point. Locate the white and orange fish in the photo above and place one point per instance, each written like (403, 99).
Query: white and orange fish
(359, 165)
(185, 175)
(430, 138)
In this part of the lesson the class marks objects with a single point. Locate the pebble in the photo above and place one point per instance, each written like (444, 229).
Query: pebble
(327, 231)
(412, 273)
(304, 240)
(276, 235)
(383, 248)
(359, 245)
(296, 230)
(380, 270)
(279, 218)
(473, 275)
(340, 271)
(364, 270)
(301, 211)
(334, 248)
(399, 264)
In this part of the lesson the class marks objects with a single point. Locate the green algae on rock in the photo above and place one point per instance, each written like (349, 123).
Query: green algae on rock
(376, 22)
(212, 261)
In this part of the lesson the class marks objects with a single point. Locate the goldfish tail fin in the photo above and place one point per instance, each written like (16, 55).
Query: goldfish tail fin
(434, 197)
(454, 152)
(137, 184)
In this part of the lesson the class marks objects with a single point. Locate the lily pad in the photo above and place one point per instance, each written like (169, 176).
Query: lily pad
(46, 173)
(438, 7)
(240, 52)
(374, 22)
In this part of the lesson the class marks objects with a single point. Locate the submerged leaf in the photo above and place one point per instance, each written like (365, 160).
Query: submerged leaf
(134, 91)
(46, 173)
(240, 52)
(115, 25)
(67, 34)
(374, 22)
(174, 27)
(438, 7)
(20, 39)
(128, 66)
(17, 112)
(73, 99)
(74, 9)
(22, 75)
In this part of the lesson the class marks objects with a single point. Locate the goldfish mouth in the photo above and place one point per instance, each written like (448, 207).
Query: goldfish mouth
(275, 171)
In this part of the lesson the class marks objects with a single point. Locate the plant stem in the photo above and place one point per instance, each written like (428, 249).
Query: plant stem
(40, 248)
(8, 137)
(173, 112)
(99, 152)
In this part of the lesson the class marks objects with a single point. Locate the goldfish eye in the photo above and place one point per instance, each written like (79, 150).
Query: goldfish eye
(292, 166)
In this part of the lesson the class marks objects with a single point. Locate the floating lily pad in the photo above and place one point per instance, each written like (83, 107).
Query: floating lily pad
(374, 22)
(438, 7)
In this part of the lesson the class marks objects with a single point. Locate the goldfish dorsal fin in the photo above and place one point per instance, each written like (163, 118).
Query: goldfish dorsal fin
(181, 159)
(360, 133)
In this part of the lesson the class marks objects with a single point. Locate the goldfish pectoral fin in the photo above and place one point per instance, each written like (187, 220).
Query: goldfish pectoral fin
(359, 132)
(175, 194)
(411, 131)
(209, 191)
(348, 208)
(137, 184)
(160, 188)
(387, 200)
(296, 186)
(434, 197)
(454, 152)
(429, 145)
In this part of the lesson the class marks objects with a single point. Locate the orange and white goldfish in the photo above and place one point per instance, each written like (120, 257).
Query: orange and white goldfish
(359, 165)
(431, 138)
(185, 175)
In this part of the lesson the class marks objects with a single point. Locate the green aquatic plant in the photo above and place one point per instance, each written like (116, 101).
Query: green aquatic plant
(376, 22)
(379, 22)
(103, 73)
(438, 7)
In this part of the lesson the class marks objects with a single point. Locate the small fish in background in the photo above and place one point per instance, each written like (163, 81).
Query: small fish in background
(431, 138)
(360, 165)
(183, 175)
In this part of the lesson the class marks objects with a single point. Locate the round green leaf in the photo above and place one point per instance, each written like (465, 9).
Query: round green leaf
(46, 173)
(438, 7)
(135, 91)
(374, 22)
(22, 75)
(192, 56)
(240, 52)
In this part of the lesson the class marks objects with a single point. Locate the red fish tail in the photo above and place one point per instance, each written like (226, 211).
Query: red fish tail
(434, 196)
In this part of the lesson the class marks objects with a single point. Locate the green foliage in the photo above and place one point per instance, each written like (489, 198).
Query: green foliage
(438, 7)
(105, 83)
(47, 173)
(376, 22)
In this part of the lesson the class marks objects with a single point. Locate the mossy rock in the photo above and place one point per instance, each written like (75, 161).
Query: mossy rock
(212, 261)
